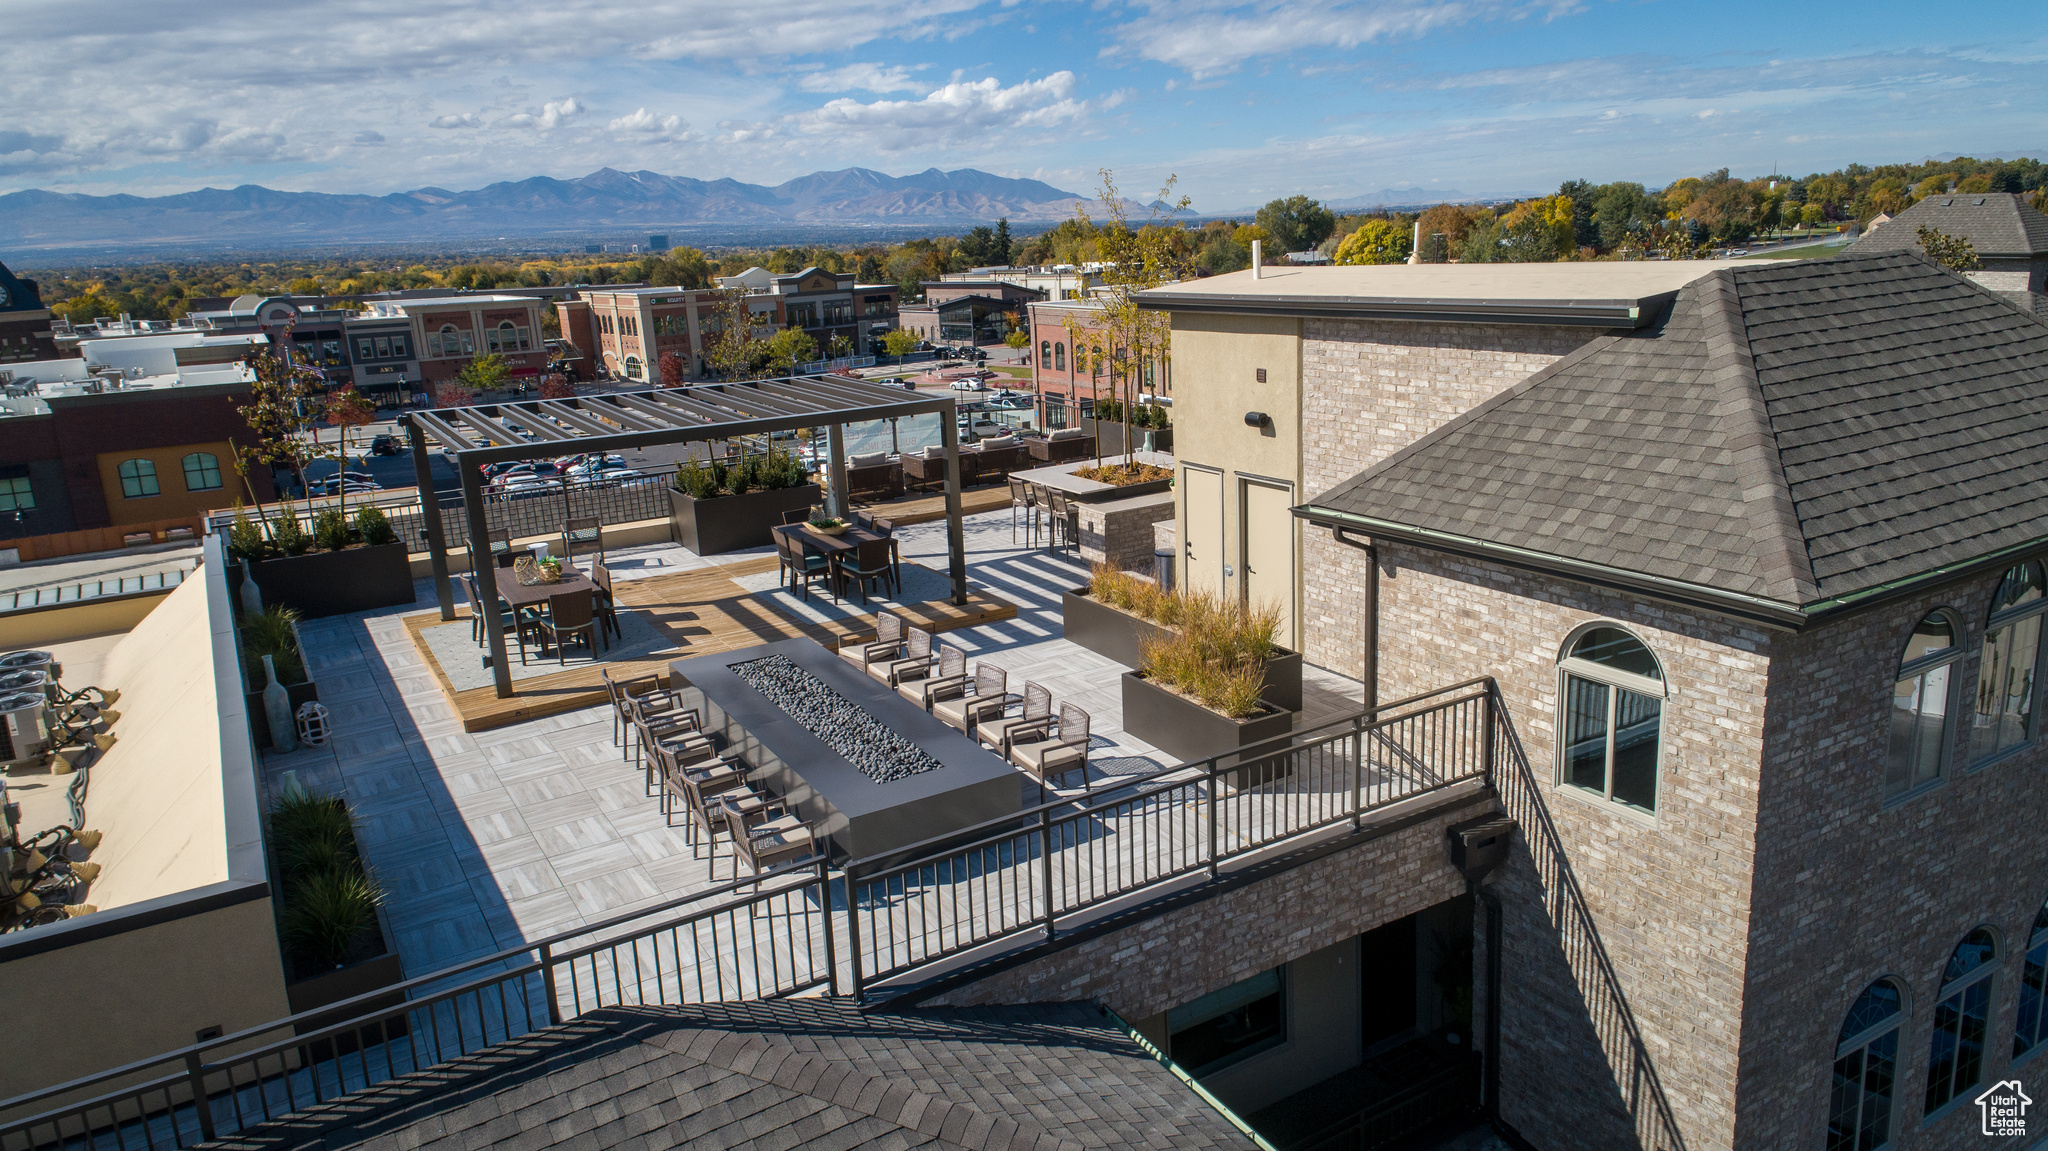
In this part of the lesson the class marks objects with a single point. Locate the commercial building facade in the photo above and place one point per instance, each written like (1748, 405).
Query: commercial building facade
(1069, 358)
(1754, 558)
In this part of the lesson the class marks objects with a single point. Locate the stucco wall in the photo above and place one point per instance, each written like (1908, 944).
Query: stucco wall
(1854, 889)
(1666, 901)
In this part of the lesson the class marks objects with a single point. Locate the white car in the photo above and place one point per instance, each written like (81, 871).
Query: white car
(969, 385)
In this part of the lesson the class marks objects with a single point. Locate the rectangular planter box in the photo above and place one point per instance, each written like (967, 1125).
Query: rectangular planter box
(1181, 727)
(359, 978)
(731, 523)
(1111, 435)
(336, 583)
(1117, 634)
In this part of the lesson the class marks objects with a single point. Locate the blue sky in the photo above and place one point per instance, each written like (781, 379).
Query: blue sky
(1243, 101)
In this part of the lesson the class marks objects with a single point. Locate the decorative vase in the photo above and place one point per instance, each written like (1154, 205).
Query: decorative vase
(277, 708)
(252, 599)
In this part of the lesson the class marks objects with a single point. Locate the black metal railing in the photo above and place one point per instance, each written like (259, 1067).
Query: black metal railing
(772, 941)
(1022, 874)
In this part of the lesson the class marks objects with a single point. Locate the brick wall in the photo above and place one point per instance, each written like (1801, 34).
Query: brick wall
(1852, 890)
(1171, 959)
(1666, 902)
(1370, 388)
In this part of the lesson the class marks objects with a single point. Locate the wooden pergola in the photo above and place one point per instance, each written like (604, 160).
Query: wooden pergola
(475, 436)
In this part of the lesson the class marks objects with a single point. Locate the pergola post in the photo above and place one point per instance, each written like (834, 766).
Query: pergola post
(836, 503)
(956, 543)
(485, 565)
(430, 515)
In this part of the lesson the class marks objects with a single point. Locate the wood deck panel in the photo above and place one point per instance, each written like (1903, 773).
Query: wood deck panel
(917, 509)
(704, 612)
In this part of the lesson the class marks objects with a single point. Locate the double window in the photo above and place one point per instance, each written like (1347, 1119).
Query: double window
(1612, 729)
(16, 494)
(138, 479)
(1920, 704)
(1962, 1019)
(1866, 1071)
(202, 472)
(2011, 653)
(2032, 1027)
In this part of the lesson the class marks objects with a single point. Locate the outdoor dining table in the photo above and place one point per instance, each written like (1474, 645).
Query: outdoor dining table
(836, 549)
(520, 596)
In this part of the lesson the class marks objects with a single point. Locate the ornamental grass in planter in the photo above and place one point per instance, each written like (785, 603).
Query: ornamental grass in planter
(1230, 635)
(328, 914)
(1216, 654)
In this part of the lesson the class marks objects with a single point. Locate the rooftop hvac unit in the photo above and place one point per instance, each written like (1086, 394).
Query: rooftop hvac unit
(32, 660)
(24, 731)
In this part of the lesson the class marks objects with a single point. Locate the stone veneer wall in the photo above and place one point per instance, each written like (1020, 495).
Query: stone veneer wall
(1370, 388)
(1852, 889)
(1122, 536)
(1666, 903)
(1184, 954)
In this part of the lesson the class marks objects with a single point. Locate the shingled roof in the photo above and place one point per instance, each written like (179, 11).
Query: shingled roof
(791, 1073)
(1997, 224)
(1791, 433)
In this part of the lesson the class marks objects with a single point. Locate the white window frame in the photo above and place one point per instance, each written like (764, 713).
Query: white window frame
(1569, 666)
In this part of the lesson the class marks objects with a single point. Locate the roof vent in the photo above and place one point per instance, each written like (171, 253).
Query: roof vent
(1948, 203)
(1980, 201)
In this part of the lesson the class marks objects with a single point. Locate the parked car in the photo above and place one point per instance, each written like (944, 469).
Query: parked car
(384, 445)
(970, 384)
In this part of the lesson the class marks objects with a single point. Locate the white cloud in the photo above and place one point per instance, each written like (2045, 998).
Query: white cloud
(972, 112)
(1211, 36)
(552, 114)
(465, 120)
(862, 77)
(652, 128)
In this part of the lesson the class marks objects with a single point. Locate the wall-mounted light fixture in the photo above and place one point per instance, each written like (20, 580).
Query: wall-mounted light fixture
(1257, 419)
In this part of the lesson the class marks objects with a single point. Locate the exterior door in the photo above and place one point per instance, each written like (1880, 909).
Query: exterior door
(1202, 529)
(1266, 540)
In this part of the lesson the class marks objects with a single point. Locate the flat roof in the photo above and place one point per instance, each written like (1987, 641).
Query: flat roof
(469, 298)
(1604, 293)
(601, 290)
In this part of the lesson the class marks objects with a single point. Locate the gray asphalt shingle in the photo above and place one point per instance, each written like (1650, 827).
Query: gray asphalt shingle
(807, 1073)
(1794, 431)
(1995, 223)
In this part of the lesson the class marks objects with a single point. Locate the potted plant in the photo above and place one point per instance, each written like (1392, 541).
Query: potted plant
(273, 632)
(828, 525)
(330, 921)
(1118, 612)
(716, 506)
(1197, 690)
(342, 565)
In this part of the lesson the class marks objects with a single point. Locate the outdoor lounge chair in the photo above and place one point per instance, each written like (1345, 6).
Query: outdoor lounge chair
(1047, 755)
(951, 677)
(915, 663)
(994, 732)
(929, 467)
(1062, 446)
(874, 473)
(775, 842)
(996, 458)
(970, 704)
(887, 644)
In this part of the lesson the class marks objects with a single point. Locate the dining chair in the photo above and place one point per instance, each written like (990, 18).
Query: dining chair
(994, 732)
(622, 693)
(987, 697)
(1022, 501)
(804, 566)
(796, 516)
(662, 719)
(774, 842)
(865, 521)
(570, 613)
(501, 541)
(607, 603)
(869, 562)
(584, 534)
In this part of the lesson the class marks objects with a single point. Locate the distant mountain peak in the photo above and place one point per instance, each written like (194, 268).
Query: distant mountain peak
(537, 205)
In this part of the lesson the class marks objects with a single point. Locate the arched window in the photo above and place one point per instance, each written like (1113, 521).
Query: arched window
(2032, 1027)
(1962, 1016)
(1095, 360)
(1613, 693)
(2005, 670)
(1920, 704)
(138, 479)
(1045, 353)
(1866, 1070)
(1059, 357)
(633, 367)
(202, 472)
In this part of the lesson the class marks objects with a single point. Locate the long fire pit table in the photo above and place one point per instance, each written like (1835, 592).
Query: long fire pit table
(863, 766)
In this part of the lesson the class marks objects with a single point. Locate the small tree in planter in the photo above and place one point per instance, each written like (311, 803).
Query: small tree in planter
(281, 400)
(348, 410)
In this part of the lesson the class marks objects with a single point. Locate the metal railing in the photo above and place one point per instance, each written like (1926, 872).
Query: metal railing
(1446, 1093)
(773, 941)
(1000, 879)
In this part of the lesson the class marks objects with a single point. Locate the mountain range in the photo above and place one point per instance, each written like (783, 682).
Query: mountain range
(606, 199)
